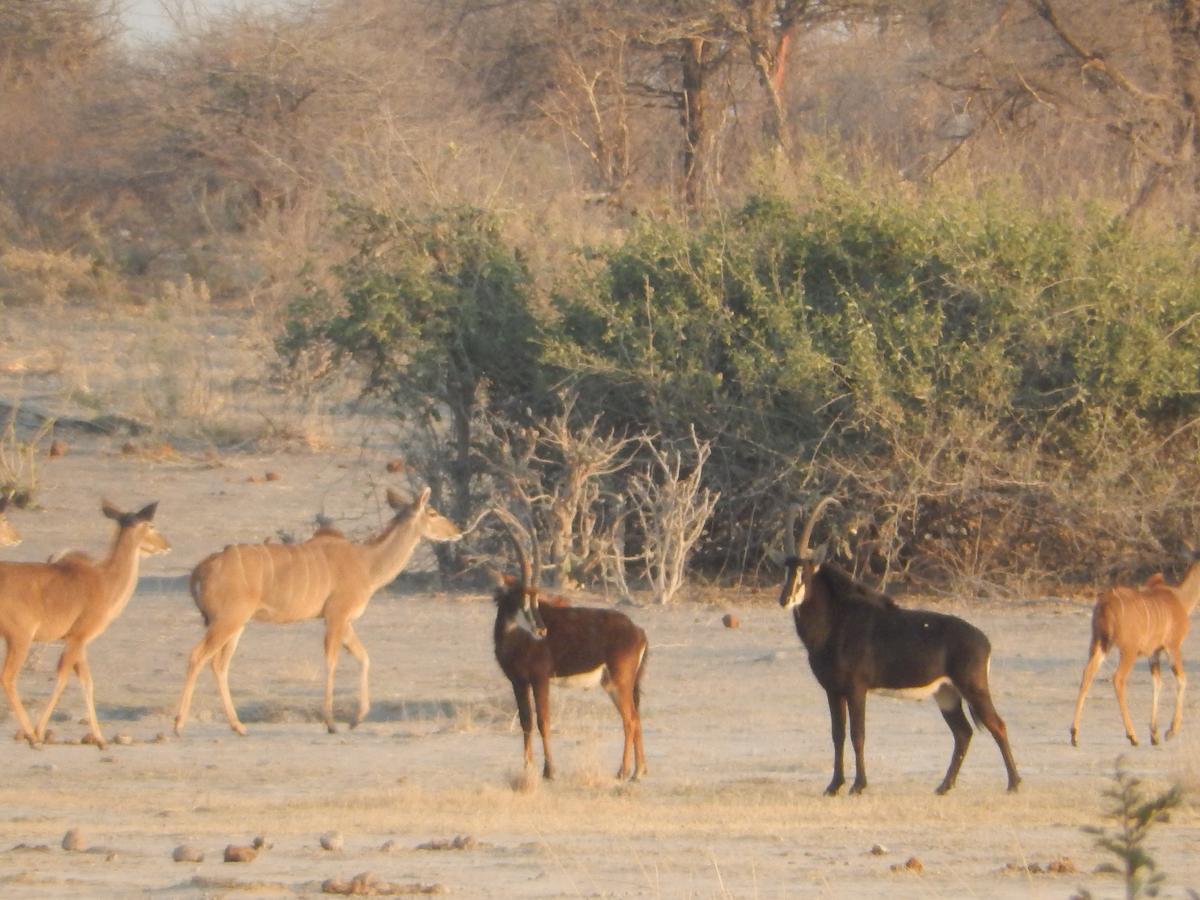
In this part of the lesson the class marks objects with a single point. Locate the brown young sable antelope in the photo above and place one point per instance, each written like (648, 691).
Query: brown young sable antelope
(539, 641)
(326, 577)
(9, 536)
(859, 640)
(1141, 621)
(71, 599)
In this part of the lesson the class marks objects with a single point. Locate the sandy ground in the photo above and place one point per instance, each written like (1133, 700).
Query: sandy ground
(736, 736)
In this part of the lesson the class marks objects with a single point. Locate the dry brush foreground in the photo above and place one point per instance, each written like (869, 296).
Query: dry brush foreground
(736, 733)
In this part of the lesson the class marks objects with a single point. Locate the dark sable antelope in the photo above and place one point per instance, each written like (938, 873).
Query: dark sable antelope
(539, 641)
(859, 640)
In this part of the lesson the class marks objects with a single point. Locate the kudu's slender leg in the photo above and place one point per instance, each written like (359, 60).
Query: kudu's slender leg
(1089, 672)
(352, 643)
(217, 636)
(18, 649)
(66, 664)
(1180, 685)
(1119, 678)
(333, 646)
(220, 669)
(1155, 693)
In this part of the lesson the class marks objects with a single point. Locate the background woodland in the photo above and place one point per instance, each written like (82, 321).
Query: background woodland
(662, 269)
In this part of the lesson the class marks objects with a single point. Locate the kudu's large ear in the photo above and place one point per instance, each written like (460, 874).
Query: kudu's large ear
(423, 498)
(111, 511)
(396, 500)
(146, 513)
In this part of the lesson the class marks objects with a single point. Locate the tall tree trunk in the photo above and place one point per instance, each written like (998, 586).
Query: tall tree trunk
(693, 116)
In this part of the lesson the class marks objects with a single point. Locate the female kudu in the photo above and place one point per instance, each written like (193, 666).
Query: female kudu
(326, 577)
(1141, 621)
(73, 599)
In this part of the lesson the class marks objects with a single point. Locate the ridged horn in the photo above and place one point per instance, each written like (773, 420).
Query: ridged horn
(803, 551)
(516, 534)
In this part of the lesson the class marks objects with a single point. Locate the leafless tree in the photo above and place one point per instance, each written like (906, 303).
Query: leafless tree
(672, 508)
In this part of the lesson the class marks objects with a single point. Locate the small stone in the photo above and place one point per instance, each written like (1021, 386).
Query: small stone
(187, 853)
(260, 843)
(729, 620)
(57, 448)
(878, 850)
(73, 840)
(273, 476)
(395, 465)
(235, 854)
(335, 886)
(912, 864)
(332, 840)
(388, 846)
(123, 740)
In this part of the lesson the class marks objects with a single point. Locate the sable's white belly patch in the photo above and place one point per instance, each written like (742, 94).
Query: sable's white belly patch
(584, 679)
(920, 692)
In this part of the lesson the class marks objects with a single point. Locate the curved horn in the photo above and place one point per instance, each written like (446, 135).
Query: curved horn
(537, 555)
(808, 525)
(515, 533)
(789, 530)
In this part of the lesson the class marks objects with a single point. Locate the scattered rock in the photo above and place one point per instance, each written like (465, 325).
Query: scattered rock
(878, 850)
(240, 854)
(912, 864)
(368, 884)
(57, 448)
(260, 843)
(159, 738)
(73, 840)
(395, 466)
(459, 842)
(187, 853)
(729, 620)
(273, 476)
(123, 740)
(1061, 866)
(332, 840)
(389, 846)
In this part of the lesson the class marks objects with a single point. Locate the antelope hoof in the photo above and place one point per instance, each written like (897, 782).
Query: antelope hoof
(1132, 739)
(1013, 785)
(857, 788)
(832, 790)
(548, 773)
(1171, 732)
(239, 729)
(1154, 738)
(331, 727)
(178, 728)
(1074, 738)
(943, 789)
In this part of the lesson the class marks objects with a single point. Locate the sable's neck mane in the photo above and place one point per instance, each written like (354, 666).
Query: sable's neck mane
(846, 588)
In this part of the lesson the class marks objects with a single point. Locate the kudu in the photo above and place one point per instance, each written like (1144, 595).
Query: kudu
(538, 641)
(1141, 621)
(327, 576)
(72, 599)
(859, 640)
(9, 536)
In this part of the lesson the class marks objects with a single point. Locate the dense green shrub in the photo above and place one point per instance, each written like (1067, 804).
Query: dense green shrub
(970, 375)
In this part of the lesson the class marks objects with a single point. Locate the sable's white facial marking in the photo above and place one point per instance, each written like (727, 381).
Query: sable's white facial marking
(799, 589)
